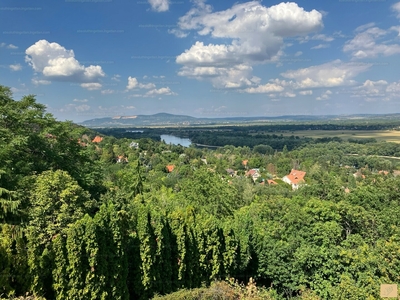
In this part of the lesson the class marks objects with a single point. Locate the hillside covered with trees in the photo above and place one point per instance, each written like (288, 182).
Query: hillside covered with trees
(90, 216)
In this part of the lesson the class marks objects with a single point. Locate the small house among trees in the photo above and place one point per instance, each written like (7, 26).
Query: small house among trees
(134, 145)
(254, 174)
(231, 172)
(295, 178)
(122, 159)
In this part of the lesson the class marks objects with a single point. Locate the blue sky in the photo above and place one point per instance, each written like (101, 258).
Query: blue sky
(90, 59)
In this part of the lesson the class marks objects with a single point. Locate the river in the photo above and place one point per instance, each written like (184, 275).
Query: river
(171, 139)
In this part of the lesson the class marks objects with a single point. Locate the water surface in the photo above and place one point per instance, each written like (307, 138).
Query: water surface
(171, 139)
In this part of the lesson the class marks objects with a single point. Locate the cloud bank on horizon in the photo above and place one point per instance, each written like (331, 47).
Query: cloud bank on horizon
(204, 59)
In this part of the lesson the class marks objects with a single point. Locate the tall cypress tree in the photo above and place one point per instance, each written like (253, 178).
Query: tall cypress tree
(135, 273)
(77, 259)
(148, 249)
(60, 275)
(93, 280)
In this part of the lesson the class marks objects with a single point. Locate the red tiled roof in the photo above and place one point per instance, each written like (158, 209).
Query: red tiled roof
(270, 181)
(97, 139)
(170, 168)
(251, 172)
(296, 176)
(244, 162)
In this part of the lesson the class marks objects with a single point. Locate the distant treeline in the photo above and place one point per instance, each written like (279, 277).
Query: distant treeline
(249, 136)
(271, 127)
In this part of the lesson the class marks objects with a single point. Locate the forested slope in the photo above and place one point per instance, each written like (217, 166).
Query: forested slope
(101, 219)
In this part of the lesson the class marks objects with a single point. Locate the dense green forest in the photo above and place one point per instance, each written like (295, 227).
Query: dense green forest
(92, 216)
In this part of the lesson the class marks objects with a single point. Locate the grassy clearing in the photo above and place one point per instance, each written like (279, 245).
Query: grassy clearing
(379, 135)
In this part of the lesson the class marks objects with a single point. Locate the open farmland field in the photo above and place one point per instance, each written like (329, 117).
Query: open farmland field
(379, 135)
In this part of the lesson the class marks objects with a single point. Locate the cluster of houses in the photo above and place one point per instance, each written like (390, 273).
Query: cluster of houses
(124, 159)
(295, 178)
(98, 139)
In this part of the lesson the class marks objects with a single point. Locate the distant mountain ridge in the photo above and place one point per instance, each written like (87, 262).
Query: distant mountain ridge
(167, 119)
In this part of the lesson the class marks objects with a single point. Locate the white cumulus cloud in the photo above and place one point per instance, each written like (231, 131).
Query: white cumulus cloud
(159, 5)
(287, 95)
(161, 91)
(107, 92)
(371, 90)
(325, 95)
(82, 108)
(116, 77)
(366, 43)
(306, 92)
(394, 88)
(16, 67)
(57, 63)
(396, 8)
(133, 83)
(256, 35)
(266, 88)
(147, 86)
(91, 86)
(377, 90)
(315, 37)
(37, 81)
(9, 46)
(331, 74)
(320, 46)
(237, 76)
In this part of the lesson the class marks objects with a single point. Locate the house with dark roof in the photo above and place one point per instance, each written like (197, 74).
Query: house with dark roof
(295, 178)
(231, 172)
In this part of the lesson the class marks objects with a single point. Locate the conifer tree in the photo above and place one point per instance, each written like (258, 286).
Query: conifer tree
(60, 275)
(78, 264)
(148, 250)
